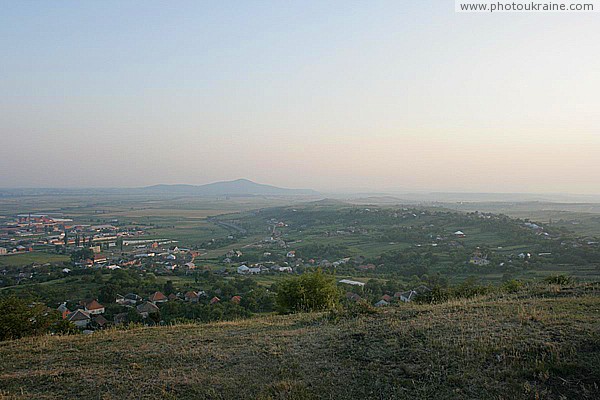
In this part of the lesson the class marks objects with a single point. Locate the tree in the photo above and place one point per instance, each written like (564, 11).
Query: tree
(108, 293)
(82, 254)
(20, 318)
(168, 288)
(313, 291)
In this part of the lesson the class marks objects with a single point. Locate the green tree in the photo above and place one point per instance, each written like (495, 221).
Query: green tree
(108, 293)
(82, 254)
(168, 288)
(20, 318)
(313, 291)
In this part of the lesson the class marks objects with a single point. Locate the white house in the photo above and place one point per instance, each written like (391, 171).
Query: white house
(353, 283)
(93, 307)
(406, 296)
(242, 269)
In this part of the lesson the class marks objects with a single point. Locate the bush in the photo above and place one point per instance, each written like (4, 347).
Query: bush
(559, 280)
(511, 286)
(314, 291)
(353, 310)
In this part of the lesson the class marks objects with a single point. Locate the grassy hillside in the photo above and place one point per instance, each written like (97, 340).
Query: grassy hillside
(540, 343)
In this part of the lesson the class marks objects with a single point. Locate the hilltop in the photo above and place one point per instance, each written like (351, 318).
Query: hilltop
(542, 342)
(236, 187)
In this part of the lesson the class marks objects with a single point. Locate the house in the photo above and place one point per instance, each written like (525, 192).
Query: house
(215, 300)
(130, 299)
(407, 296)
(158, 297)
(352, 296)
(191, 296)
(382, 303)
(243, 269)
(93, 307)
(350, 282)
(291, 254)
(3, 251)
(459, 234)
(79, 318)
(147, 308)
(481, 261)
(386, 297)
(100, 321)
(236, 299)
(121, 318)
(172, 297)
(254, 270)
(99, 258)
(190, 265)
(62, 308)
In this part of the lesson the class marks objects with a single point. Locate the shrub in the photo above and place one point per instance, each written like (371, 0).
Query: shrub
(559, 280)
(511, 286)
(314, 291)
(353, 310)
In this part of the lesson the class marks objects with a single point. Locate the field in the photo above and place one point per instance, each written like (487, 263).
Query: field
(18, 260)
(540, 343)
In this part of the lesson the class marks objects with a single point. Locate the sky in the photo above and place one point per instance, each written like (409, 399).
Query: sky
(329, 95)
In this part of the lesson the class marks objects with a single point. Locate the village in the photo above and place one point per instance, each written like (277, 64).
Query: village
(171, 281)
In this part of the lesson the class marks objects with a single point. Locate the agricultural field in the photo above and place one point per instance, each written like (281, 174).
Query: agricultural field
(19, 260)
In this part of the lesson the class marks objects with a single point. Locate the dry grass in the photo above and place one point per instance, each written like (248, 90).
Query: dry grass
(541, 344)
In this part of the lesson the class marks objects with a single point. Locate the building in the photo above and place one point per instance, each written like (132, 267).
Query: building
(243, 269)
(93, 307)
(382, 303)
(147, 308)
(191, 296)
(3, 251)
(481, 261)
(158, 297)
(79, 318)
(353, 283)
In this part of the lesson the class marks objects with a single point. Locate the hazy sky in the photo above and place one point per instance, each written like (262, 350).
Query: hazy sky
(320, 94)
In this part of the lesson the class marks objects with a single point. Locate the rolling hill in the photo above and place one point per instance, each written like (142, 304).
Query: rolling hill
(238, 187)
(539, 343)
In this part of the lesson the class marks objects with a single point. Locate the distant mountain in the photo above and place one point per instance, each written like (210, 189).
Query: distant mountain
(238, 187)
